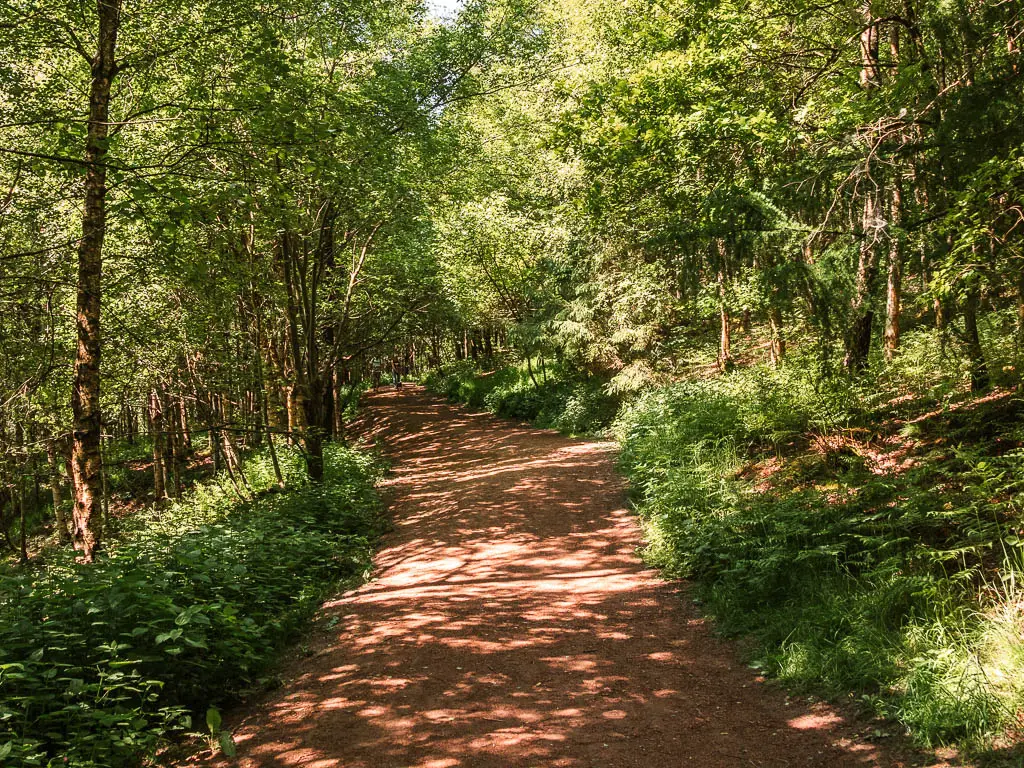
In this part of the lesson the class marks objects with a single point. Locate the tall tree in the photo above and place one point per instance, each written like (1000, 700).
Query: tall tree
(86, 461)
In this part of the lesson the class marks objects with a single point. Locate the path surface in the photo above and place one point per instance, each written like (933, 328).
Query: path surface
(512, 624)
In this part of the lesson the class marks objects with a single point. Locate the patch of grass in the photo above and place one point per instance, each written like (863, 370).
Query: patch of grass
(100, 664)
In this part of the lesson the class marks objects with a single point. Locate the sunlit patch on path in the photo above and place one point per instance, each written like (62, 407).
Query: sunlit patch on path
(511, 623)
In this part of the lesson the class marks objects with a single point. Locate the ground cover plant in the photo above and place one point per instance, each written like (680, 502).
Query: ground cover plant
(101, 663)
(856, 552)
(546, 399)
(864, 541)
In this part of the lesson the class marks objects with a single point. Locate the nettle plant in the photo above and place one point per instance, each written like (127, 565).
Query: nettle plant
(101, 664)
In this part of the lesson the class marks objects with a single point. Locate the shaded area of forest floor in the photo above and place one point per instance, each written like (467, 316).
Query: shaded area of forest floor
(511, 623)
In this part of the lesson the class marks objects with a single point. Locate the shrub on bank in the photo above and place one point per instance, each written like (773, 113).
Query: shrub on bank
(553, 401)
(899, 586)
(99, 664)
(894, 585)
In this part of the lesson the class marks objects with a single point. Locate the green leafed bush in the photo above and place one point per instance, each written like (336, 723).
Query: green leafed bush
(100, 663)
(555, 400)
(462, 382)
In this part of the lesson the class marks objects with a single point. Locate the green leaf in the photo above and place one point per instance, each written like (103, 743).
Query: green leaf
(213, 719)
(227, 743)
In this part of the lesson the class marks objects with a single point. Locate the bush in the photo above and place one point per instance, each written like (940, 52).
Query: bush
(462, 382)
(100, 663)
(557, 402)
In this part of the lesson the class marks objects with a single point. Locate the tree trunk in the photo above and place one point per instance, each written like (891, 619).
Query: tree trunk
(231, 464)
(270, 443)
(18, 489)
(174, 442)
(777, 350)
(18, 498)
(215, 449)
(871, 70)
(264, 399)
(186, 434)
(725, 321)
(314, 445)
(894, 283)
(725, 362)
(858, 336)
(314, 432)
(330, 400)
(63, 535)
(156, 432)
(85, 397)
(529, 370)
(296, 413)
(980, 379)
(104, 486)
(131, 428)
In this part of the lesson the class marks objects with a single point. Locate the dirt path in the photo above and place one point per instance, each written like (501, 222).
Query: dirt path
(512, 624)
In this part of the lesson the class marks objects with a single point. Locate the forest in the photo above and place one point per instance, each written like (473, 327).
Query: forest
(775, 250)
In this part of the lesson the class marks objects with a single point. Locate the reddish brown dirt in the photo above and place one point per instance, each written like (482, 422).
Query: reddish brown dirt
(511, 623)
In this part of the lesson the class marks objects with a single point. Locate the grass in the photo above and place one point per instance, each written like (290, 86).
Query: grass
(187, 611)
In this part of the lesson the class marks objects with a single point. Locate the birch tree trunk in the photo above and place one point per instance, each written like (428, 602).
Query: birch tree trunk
(63, 535)
(86, 461)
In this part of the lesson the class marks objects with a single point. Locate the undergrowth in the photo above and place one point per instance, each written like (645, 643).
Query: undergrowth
(863, 536)
(100, 664)
(848, 571)
(550, 398)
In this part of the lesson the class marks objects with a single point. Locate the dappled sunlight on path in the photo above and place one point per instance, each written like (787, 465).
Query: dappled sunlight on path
(511, 623)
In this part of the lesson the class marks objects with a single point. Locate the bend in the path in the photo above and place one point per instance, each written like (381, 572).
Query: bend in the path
(511, 623)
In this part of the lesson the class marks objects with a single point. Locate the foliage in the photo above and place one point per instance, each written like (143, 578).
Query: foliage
(556, 401)
(769, 232)
(100, 664)
(462, 382)
(898, 585)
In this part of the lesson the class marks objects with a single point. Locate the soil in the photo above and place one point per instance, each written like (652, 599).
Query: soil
(510, 622)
